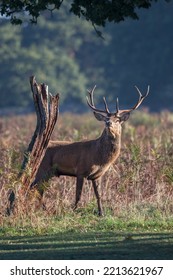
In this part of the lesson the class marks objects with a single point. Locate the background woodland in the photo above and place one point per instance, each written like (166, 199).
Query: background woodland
(66, 53)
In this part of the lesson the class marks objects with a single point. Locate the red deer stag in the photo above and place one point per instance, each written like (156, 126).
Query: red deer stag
(87, 159)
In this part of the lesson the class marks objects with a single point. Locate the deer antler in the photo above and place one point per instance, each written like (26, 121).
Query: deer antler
(92, 106)
(118, 112)
(140, 100)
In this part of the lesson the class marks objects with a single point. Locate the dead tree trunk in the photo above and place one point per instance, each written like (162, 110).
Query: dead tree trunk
(47, 108)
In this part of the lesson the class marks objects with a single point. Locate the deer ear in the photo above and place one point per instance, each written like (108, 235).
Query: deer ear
(124, 117)
(100, 117)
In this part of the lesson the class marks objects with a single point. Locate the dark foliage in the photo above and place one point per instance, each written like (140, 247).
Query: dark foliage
(98, 12)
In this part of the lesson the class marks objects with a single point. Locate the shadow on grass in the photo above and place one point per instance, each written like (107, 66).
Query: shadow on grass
(88, 246)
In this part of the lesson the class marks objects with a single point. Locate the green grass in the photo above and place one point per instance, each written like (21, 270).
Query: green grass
(97, 245)
(84, 235)
(139, 219)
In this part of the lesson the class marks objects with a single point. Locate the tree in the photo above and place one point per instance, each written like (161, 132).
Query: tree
(96, 11)
(64, 52)
(23, 52)
(47, 108)
(139, 53)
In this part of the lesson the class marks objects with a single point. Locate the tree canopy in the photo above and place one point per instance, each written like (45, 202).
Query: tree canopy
(96, 11)
(64, 52)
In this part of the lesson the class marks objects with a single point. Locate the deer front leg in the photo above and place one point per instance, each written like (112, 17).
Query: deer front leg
(96, 186)
(79, 185)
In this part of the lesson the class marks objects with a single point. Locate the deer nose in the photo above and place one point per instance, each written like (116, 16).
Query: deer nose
(108, 122)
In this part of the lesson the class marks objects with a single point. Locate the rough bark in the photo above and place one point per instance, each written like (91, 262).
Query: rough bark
(46, 106)
(47, 109)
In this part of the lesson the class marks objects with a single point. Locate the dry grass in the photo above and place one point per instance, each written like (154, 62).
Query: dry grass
(139, 184)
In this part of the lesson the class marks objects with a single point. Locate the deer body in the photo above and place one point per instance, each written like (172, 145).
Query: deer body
(74, 159)
(86, 159)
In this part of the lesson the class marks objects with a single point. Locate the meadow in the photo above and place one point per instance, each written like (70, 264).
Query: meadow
(137, 191)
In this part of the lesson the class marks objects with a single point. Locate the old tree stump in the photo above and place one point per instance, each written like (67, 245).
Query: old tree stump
(47, 109)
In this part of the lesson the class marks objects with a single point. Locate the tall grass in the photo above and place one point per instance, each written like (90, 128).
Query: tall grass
(137, 188)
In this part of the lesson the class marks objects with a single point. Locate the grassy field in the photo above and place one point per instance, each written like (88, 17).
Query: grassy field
(137, 195)
(104, 246)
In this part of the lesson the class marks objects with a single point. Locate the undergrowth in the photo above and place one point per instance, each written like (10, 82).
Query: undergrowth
(137, 191)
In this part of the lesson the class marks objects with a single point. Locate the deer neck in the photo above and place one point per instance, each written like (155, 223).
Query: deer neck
(110, 143)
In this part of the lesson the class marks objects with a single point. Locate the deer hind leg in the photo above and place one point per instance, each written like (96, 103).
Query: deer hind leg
(79, 185)
(96, 186)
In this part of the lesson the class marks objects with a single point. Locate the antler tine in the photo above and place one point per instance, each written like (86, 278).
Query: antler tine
(117, 106)
(140, 100)
(141, 97)
(91, 92)
(106, 106)
(91, 102)
(148, 89)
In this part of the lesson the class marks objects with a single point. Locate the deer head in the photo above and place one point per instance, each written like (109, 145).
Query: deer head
(113, 120)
